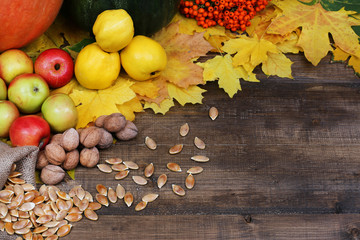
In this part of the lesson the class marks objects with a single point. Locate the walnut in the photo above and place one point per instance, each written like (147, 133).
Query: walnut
(70, 139)
(57, 138)
(55, 154)
(114, 122)
(130, 131)
(89, 157)
(106, 140)
(99, 122)
(41, 161)
(90, 137)
(52, 174)
(72, 160)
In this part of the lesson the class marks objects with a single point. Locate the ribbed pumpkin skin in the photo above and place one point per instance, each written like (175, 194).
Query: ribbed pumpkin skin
(22, 21)
(149, 16)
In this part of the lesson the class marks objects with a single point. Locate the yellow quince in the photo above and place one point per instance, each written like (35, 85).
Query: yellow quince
(143, 58)
(95, 68)
(113, 29)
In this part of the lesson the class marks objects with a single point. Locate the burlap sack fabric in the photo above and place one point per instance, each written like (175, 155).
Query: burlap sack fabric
(25, 159)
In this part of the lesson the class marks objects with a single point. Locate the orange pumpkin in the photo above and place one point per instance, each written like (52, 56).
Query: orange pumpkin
(22, 21)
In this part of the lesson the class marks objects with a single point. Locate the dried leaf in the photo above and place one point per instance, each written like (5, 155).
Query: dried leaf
(277, 64)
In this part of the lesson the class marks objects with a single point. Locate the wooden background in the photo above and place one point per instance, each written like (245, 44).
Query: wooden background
(284, 164)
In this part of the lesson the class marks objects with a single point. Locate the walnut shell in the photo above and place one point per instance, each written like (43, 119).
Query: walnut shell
(72, 160)
(57, 138)
(106, 140)
(41, 161)
(89, 157)
(90, 137)
(114, 122)
(99, 122)
(52, 174)
(55, 154)
(130, 131)
(70, 139)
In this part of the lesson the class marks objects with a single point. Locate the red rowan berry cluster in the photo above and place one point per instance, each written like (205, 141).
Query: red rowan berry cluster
(232, 14)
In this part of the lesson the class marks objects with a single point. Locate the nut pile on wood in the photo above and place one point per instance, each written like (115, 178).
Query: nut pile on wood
(47, 213)
(66, 150)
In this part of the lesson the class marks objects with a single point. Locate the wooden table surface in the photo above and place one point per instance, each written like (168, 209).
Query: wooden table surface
(284, 164)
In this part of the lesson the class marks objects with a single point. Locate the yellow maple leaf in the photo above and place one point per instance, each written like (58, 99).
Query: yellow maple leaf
(221, 68)
(68, 88)
(181, 49)
(162, 108)
(192, 94)
(146, 88)
(290, 44)
(277, 64)
(249, 50)
(129, 108)
(316, 23)
(94, 103)
(354, 62)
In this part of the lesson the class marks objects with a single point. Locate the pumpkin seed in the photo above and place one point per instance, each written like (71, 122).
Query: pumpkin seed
(200, 158)
(80, 192)
(199, 143)
(119, 167)
(94, 206)
(40, 229)
(213, 113)
(9, 229)
(184, 130)
(49, 232)
(122, 174)
(91, 215)
(17, 180)
(18, 190)
(113, 160)
(38, 200)
(150, 197)
(195, 170)
(131, 165)
(112, 195)
(52, 194)
(139, 180)
(120, 191)
(83, 205)
(22, 231)
(128, 199)
(73, 217)
(28, 206)
(104, 168)
(173, 167)
(178, 190)
(140, 206)
(20, 224)
(63, 195)
(190, 181)
(3, 210)
(176, 149)
(44, 219)
(102, 200)
(162, 180)
(88, 196)
(101, 189)
(150, 143)
(149, 170)
(52, 237)
(64, 230)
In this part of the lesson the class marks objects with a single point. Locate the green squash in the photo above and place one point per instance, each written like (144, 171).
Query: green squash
(149, 16)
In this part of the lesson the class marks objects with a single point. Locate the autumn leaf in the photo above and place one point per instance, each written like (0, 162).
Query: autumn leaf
(316, 23)
(146, 89)
(181, 50)
(192, 94)
(93, 103)
(129, 108)
(221, 68)
(162, 108)
(277, 64)
(248, 50)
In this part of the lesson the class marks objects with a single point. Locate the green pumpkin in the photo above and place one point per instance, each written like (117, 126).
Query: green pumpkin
(149, 16)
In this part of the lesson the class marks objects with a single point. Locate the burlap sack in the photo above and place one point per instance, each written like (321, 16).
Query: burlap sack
(25, 159)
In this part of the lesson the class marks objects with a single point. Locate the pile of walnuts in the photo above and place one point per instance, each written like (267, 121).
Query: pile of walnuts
(66, 150)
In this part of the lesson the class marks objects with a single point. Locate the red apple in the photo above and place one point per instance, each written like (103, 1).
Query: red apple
(55, 66)
(29, 130)
(28, 91)
(3, 90)
(8, 114)
(14, 62)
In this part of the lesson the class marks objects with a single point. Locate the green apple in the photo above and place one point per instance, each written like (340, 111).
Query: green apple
(28, 91)
(8, 114)
(14, 62)
(3, 90)
(60, 112)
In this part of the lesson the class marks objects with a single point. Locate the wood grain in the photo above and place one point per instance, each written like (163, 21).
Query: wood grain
(284, 164)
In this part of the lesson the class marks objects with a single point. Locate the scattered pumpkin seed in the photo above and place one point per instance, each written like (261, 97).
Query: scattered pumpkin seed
(200, 158)
(150, 197)
(190, 181)
(104, 168)
(150, 143)
(176, 149)
(184, 130)
(101, 189)
(149, 170)
(161, 181)
(195, 170)
(128, 199)
(119, 167)
(140, 206)
(139, 180)
(122, 174)
(178, 190)
(113, 161)
(131, 165)
(199, 143)
(120, 191)
(112, 195)
(91, 215)
(173, 167)
(213, 113)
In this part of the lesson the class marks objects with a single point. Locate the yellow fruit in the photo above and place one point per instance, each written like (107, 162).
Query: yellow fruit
(143, 58)
(95, 68)
(113, 30)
